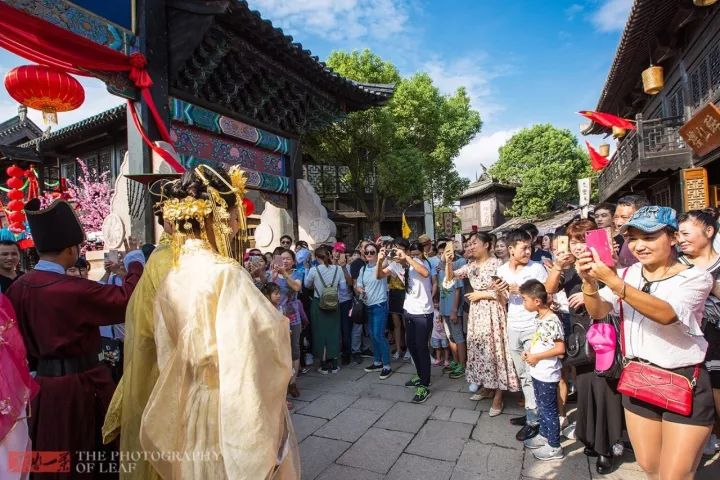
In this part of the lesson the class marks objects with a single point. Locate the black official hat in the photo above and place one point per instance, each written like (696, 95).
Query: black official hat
(53, 228)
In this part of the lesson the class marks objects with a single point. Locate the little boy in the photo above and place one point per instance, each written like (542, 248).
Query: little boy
(543, 358)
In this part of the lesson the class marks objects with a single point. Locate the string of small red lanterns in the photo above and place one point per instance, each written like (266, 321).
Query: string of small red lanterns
(16, 216)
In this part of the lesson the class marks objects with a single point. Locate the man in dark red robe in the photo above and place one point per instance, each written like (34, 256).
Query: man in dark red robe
(59, 316)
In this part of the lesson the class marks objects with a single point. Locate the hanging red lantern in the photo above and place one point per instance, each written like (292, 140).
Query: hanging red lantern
(16, 195)
(248, 206)
(15, 207)
(46, 89)
(15, 183)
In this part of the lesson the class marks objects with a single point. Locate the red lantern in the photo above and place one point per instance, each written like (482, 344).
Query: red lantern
(15, 182)
(248, 206)
(45, 89)
(16, 195)
(15, 205)
(16, 216)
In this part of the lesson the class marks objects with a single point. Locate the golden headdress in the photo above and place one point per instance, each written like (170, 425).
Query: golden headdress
(188, 213)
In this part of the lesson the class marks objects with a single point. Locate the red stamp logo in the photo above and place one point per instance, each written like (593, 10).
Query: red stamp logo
(39, 462)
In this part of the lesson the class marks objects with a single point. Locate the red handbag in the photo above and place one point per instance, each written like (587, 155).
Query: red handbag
(654, 385)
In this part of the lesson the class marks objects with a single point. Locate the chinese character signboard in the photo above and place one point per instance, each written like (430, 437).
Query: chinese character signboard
(695, 188)
(448, 223)
(702, 131)
(584, 194)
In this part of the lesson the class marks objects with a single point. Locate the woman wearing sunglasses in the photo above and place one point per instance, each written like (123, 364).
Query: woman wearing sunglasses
(660, 302)
(371, 286)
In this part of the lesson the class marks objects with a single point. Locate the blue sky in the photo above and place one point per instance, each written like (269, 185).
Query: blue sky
(523, 61)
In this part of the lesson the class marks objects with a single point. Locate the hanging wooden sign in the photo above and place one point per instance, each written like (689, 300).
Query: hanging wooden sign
(695, 188)
(702, 131)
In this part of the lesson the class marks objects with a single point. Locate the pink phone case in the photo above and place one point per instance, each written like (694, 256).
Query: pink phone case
(600, 240)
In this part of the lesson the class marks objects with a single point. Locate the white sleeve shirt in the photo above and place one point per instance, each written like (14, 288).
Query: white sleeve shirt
(679, 344)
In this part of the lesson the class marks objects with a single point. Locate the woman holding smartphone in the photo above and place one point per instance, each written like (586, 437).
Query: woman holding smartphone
(599, 405)
(489, 360)
(660, 302)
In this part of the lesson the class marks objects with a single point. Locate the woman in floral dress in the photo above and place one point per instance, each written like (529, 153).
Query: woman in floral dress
(489, 362)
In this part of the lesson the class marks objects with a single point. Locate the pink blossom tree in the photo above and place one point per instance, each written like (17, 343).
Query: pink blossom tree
(92, 194)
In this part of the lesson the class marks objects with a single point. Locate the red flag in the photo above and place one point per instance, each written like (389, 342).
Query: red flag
(607, 120)
(597, 161)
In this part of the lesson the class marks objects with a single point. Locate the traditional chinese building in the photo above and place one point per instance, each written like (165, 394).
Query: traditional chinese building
(229, 87)
(684, 39)
(483, 204)
(100, 141)
(344, 209)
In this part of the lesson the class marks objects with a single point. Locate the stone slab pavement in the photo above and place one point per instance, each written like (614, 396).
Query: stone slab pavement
(354, 426)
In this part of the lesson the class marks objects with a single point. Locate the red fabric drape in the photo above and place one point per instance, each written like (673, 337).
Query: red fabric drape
(597, 161)
(41, 42)
(608, 120)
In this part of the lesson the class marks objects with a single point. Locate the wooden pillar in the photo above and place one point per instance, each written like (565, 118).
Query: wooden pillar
(153, 35)
(295, 171)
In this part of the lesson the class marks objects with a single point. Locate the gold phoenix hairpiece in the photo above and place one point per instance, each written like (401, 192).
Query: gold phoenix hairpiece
(180, 212)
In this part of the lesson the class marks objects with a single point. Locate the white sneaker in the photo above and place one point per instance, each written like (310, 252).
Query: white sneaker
(407, 356)
(711, 446)
(535, 442)
(396, 355)
(546, 452)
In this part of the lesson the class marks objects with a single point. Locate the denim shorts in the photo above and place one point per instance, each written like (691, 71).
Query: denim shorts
(454, 331)
(438, 342)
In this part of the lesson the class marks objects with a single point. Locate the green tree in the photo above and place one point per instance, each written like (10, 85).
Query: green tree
(403, 151)
(545, 162)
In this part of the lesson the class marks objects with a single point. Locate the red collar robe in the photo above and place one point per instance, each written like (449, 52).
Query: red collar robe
(59, 317)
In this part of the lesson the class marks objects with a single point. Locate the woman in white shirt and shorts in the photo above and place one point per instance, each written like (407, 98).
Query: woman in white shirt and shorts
(663, 302)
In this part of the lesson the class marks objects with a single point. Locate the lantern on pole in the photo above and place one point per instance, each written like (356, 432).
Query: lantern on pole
(14, 212)
(45, 89)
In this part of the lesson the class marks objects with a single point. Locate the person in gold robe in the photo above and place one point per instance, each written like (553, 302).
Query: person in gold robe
(218, 408)
(140, 359)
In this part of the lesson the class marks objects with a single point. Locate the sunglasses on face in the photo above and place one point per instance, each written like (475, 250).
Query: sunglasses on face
(370, 252)
(285, 243)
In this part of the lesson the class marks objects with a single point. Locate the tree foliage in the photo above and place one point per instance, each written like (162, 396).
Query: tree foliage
(403, 151)
(545, 163)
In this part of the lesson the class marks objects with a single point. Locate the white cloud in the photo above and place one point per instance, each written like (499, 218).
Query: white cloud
(337, 20)
(573, 10)
(612, 15)
(475, 74)
(482, 150)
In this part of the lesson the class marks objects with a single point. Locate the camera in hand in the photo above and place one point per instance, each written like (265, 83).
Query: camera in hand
(393, 253)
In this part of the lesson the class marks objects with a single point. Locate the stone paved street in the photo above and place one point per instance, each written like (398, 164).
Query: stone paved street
(354, 426)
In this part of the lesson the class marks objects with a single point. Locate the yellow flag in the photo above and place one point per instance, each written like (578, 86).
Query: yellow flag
(405, 227)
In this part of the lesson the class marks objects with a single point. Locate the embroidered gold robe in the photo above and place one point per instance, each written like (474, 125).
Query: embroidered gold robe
(218, 409)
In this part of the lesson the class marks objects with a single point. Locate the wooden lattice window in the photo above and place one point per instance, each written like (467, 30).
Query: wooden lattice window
(661, 196)
(675, 104)
(705, 76)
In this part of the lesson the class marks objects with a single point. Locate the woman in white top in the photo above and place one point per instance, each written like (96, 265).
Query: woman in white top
(697, 229)
(418, 314)
(663, 302)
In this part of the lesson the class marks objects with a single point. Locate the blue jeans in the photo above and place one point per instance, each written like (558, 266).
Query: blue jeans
(377, 321)
(546, 398)
(346, 325)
